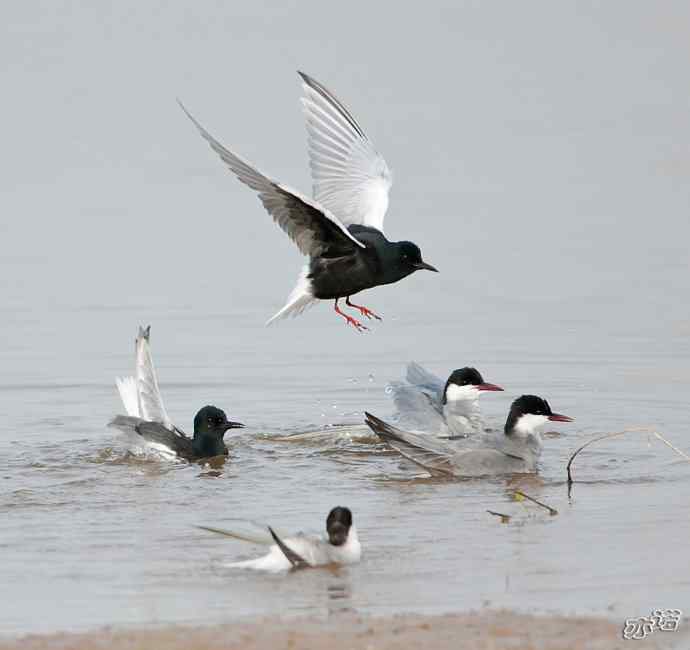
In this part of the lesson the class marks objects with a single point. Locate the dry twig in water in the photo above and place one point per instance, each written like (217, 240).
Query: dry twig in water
(647, 430)
(504, 518)
(552, 511)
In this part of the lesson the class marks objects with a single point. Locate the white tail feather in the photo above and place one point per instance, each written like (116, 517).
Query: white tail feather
(127, 387)
(300, 298)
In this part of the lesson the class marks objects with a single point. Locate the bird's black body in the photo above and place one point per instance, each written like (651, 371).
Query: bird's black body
(346, 269)
(341, 228)
(210, 426)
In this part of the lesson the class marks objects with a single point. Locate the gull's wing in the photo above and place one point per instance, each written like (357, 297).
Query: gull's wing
(149, 396)
(350, 177)
(425, 451)
(312, 227)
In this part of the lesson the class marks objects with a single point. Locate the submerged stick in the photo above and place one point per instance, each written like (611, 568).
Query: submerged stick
(617, 434)
(552, 511)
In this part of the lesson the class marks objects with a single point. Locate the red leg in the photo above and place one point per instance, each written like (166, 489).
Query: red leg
(362, 310)
(348, 319)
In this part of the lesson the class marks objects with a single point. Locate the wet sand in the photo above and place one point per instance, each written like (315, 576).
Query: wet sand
(496, 630)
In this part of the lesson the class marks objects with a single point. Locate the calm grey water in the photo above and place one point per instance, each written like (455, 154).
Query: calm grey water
(541, 164)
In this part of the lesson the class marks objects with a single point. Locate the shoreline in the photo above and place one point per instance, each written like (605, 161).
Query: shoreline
(487, 630)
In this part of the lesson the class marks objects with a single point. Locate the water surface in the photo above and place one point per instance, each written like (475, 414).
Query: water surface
(546, 179)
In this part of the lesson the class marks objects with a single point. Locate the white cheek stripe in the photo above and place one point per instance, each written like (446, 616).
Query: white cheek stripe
(456, 393)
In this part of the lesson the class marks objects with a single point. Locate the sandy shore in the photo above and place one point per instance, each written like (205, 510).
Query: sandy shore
(478, 631)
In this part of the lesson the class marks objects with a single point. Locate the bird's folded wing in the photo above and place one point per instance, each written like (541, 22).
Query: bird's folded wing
(312, 227)
(149, 397)
(174, 439)
(429, 453)
(350, 177)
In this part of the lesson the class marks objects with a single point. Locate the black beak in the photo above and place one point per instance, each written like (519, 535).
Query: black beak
(419, 266)
(233, 425)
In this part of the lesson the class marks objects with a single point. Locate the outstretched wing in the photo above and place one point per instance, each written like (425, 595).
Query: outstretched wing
(246, 531)
(350, 177)
(149, 396)
(416, 409)
(312, 227)
(428, 381)
(425, 451)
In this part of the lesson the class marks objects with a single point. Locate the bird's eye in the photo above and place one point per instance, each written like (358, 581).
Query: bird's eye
(210, 420)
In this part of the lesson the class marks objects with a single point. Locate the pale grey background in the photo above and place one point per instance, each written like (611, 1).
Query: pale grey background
(541, 154)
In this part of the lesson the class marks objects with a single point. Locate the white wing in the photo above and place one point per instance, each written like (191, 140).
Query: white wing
(311, 226)
(350, 177)
(148, 393)
(246, 531)
(127, 387)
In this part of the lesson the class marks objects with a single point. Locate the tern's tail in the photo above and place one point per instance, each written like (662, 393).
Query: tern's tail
(300, 298)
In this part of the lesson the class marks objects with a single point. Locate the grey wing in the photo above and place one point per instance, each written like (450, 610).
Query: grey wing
(350, 177)
(313, 228)
(428, 381)
(429, 453)
(173, 439)
(417, 409)
(149, 396)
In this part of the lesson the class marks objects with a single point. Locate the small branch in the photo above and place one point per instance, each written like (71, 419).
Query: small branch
(552, 511)
(504, 518)
(617, 434)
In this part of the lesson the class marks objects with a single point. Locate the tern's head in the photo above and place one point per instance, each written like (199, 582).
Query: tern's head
(212, 420)
(408, 259)
(338, 525)
(528, 414)
(465, 384)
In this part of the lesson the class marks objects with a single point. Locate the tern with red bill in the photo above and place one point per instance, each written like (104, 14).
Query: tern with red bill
(427, 405)
(341, 228)
(516, 450)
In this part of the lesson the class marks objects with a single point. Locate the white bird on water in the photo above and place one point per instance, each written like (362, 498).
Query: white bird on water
(340, 545)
